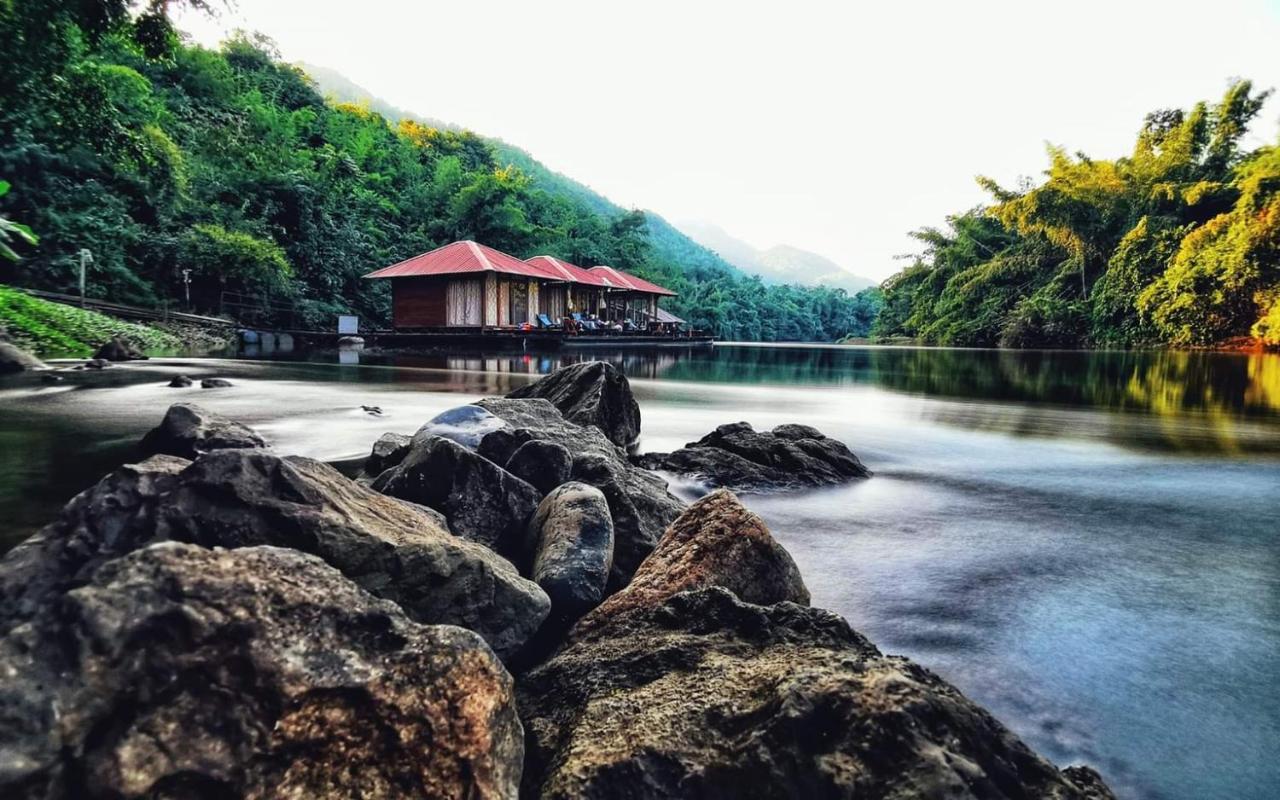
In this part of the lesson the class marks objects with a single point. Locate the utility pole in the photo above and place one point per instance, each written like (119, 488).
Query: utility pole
(86, 258)
(186, 285)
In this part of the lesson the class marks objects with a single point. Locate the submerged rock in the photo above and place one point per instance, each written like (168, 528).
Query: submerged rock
(179, 382)
(591, 393)
(15, 359)
(677, 687)
(574, 536)
(544, 465)
(242, 498)
(639, 502)
(738, 457)
(188, 430)
(117, 349)
(482, 501)
(215, 383)
(259, 672)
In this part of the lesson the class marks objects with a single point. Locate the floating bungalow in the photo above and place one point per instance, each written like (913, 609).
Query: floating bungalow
(470, 287)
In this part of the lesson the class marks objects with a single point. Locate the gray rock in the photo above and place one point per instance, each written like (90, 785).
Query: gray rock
(466, 425)
(679, 686)
(117, 349)
(215, 383)
(15, 359)
(738, 457)
(482, 502)
(179, 382)
(243, 498)
(639, 502)
(95, 363)
(591, 393)
(388, 451)
(574, 535)
(544, 465)
(259, 672)
(188, 430)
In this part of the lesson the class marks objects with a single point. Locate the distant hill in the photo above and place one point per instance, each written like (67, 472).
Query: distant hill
(668, 244)
(779, 264)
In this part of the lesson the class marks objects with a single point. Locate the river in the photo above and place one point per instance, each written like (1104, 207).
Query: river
(1085, 543)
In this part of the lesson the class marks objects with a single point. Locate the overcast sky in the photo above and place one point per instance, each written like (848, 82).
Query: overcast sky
(837, 127)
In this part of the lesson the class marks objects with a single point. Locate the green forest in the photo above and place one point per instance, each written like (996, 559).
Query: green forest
(161, 157)
(1177, 243)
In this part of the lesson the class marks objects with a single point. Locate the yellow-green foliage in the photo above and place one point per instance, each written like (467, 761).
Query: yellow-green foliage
(59, 330)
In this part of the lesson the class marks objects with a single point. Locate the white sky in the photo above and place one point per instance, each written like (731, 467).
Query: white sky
(833, 126)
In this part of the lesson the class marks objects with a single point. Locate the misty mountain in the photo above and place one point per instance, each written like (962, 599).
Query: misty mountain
(779, 264)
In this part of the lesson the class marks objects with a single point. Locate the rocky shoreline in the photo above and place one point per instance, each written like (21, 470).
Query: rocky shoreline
(505, 604)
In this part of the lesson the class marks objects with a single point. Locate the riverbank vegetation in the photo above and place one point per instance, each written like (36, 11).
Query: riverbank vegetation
(1177, 243)
(227, 167)
(52, 330)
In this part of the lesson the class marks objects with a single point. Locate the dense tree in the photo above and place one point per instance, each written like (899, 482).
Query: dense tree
(1175, 243)
(161, 157)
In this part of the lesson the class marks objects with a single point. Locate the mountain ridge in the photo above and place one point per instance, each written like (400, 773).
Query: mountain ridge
(782, 263)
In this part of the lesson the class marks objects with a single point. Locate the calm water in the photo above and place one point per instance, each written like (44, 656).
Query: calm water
(1085, 543)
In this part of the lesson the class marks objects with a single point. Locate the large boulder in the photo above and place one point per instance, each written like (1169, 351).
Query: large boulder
(678, 687)
(543, 465)
(738, 457)
(591, 393)
(466, 425)
(260, 673)
(482, 501)
(15, 359)
(704, 695)
(117, 349)
(241, 498)
(188, 431)
(389, 450)
(639, 502)
(574, 551)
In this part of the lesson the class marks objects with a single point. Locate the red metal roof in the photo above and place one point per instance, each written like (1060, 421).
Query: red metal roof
(625, 280)
(564, 271)
(460, 257)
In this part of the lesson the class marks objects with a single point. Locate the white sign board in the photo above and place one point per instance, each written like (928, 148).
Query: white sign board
(348, 325)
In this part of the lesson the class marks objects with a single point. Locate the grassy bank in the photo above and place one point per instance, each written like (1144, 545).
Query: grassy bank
(55, 330)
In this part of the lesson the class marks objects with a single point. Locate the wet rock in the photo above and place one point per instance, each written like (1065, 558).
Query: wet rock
(639, 502)
(215, 383)
(715, 542)
(704, 695)
(117, 349)
(574, 535)
(259, 672)
(544, 465)
(179, 382)
(738, 457)
(389, 450)
(242, 498)
(50, 378)
(15, 359)
(466, 425)
(188, 430)
(482, 502)
(95, 363)
(591, 393)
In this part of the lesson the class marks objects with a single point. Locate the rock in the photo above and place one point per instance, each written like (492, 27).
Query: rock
(15, 359)
(50, 378)
(188, 430)
(736, 456)
(574, 536)
(243, 498)
(389, 450)
(95, 363)
(715, 542)
(482, 502)
(260, 673)
(179, 382)
(639, 502)
(466, 425)
(215, 383)
(544, 465)
(117, 349)
(704, 695)
(591, 393)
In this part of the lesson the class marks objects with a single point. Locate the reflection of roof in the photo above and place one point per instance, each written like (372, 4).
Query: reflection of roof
(666, 316)
(457, 258)
(618, 279)
(563, 270)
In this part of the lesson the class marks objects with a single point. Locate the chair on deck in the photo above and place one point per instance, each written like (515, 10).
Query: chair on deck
(545, 322)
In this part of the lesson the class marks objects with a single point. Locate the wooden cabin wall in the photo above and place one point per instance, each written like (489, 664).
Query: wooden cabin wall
(419, 302)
